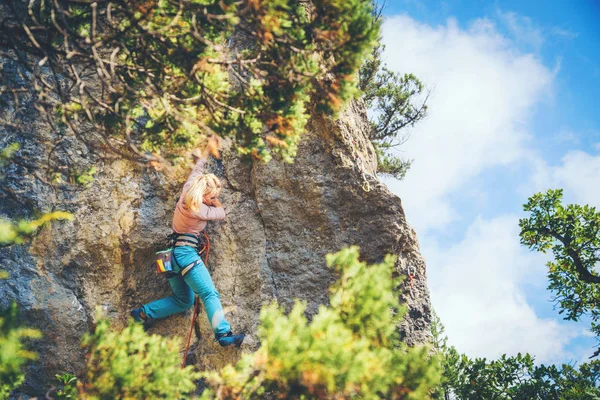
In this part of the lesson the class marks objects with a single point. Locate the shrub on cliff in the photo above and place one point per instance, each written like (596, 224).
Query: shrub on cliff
(131, 364)
(147, 79)
(349, 350)
(144, 78)
(13, 354)
(15, 232)
(12, 232)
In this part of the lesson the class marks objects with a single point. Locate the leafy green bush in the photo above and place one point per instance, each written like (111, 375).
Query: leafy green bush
(8, 152)
(349, 350)
(68, 387)
(161, 75)
(86, 177)
(13, 354)
(15, 232)
(517, 377)
(510, 377)
(130, 364)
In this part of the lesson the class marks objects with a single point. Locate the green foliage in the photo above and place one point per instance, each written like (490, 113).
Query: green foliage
(173, 71)
(12, 232)
(13, 354)
(68, 387)
(4, 274)
(518, 378)
(572, 234)
(398, 102)
(392, 96)
(514, 377)
(86, 177)
(388, 164)
(567, 382)
(15, 232)
(502, 378)
(130, 364)
(8, 152)
(349, 350)
(447, 363)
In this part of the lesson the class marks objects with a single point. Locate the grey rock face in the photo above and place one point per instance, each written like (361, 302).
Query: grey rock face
(282, 220)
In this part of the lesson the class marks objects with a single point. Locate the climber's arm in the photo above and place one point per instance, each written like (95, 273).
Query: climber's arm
(212, 147)
(196, 171)
(211, 213)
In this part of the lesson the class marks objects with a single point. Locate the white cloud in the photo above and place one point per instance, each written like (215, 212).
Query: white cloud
(477, 290)
(484, 94)
(564, 33)
(578, 174)
(523, 29)
(566, 137)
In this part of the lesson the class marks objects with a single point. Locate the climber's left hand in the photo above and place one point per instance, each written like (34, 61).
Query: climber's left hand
(211, 148)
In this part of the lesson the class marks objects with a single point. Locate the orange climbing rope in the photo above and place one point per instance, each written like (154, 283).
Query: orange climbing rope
(206, 251)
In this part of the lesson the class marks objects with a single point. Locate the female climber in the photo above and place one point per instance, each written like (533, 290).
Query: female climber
(198, 203)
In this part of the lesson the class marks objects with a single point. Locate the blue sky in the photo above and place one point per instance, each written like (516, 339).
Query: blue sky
(513, 111)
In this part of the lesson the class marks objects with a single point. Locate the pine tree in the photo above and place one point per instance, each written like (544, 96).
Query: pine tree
(398, 102)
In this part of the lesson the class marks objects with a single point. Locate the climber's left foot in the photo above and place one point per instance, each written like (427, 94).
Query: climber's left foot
(229, 339)
(138, 315)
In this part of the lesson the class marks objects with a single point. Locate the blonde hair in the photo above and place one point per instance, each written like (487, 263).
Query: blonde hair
(207, 184)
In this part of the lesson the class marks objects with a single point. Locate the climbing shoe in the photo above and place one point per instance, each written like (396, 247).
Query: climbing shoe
(138, 315)
(229, 339)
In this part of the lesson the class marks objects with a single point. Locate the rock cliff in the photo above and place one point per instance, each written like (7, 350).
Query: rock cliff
(283, 219)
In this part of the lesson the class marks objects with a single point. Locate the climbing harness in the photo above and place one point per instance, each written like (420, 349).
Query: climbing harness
(411, 276)
(205, 249)
(164, 259)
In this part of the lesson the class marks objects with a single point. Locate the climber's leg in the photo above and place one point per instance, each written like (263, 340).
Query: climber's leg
(181, 300)
(200, 281)
(198, 278)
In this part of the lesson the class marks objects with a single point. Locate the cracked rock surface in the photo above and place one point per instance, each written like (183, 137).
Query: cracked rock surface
(282, 220)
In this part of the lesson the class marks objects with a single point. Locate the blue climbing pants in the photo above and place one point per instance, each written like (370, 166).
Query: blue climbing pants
(196, 280)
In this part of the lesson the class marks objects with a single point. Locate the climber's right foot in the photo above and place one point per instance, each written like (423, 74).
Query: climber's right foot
(229, 339)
